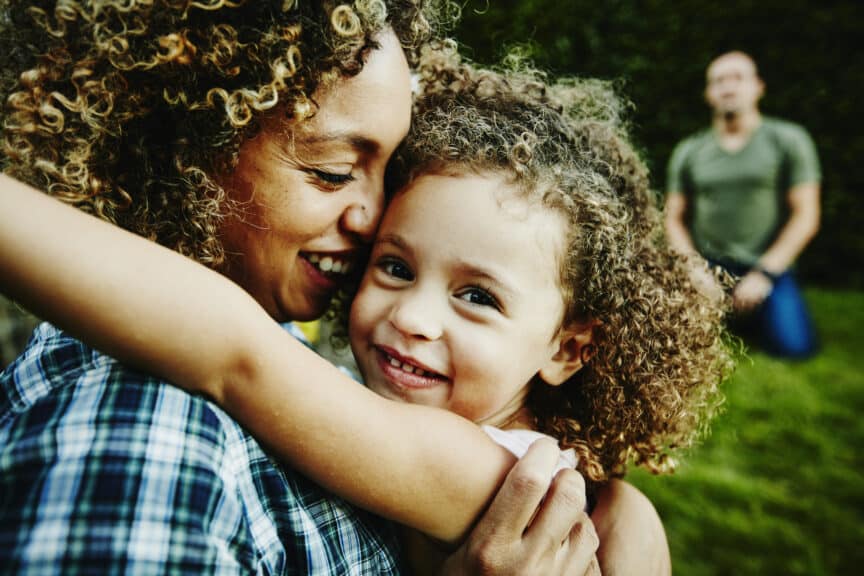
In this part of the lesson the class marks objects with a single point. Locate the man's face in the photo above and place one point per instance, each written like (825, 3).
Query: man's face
(733, 86)
(310, 196)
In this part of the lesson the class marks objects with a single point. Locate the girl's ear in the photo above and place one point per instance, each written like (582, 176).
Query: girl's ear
(574, 348)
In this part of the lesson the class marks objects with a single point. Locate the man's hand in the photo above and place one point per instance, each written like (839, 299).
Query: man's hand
(751, 291)
(521, 533)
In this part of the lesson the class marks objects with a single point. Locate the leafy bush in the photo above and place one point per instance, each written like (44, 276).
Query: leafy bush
(809, 54)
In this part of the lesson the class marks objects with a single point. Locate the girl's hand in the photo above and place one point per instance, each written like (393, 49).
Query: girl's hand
(521, 533)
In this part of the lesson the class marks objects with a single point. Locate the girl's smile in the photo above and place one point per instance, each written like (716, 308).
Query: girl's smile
(407, 373)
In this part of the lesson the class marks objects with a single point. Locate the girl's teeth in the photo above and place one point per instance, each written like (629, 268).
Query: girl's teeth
(406, 367)
(313, 258)
(337, 266)
(326, 264)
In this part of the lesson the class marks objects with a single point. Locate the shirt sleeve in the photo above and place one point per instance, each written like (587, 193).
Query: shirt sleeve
(804, 165)
(121, 478)
(675, 169)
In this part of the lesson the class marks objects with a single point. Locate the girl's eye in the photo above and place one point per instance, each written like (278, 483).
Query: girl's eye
(332, 179)
(395, 268)
(479, 297)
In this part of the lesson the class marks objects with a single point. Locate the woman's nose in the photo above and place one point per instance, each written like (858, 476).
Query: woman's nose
(363, 215)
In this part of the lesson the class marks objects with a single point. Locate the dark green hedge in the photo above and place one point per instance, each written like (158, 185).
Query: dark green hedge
(809, 53)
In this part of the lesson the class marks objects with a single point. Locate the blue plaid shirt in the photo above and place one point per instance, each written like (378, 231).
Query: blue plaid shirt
(105, 470)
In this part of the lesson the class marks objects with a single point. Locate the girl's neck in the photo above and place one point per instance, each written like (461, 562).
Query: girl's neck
(521, 419)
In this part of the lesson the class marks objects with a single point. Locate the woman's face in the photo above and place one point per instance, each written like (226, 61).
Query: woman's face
(311, 196)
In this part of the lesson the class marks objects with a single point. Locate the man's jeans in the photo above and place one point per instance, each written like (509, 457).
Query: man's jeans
(781, 324)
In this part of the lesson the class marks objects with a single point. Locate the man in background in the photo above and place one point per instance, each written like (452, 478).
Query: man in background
(744, 193)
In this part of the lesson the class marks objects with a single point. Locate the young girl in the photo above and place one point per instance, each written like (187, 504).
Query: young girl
(519, 280)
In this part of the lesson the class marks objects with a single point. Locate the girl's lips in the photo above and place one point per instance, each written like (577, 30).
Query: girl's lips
(404, 374)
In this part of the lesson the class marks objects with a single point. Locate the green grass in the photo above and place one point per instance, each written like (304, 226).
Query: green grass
(778, 487)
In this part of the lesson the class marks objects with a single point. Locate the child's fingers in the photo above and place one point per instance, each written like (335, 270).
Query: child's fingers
(593, 568)
(526, 485)
(561, 512)
(580, 550)
(521, 533)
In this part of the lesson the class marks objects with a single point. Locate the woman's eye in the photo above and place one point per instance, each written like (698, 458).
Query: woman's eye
(332, 179)
(479, 297)
(396, 269)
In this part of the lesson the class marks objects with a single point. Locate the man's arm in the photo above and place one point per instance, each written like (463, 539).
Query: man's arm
(676, 226)
(799, 230)
(680, 240)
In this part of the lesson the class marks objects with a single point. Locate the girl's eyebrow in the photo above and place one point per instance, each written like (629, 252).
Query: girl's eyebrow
(393, 239)
(498, 278)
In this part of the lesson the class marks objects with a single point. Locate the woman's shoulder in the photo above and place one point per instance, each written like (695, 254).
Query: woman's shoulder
(59, 380)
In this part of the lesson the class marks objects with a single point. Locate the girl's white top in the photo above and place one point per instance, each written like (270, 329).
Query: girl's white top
(518, 441)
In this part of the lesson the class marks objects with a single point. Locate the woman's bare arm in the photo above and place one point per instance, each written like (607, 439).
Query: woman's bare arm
(155, 309)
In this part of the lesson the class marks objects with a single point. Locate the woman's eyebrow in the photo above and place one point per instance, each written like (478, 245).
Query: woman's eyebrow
(353, 139)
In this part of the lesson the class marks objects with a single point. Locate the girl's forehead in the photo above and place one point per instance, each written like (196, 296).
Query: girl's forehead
(507, 195)
(470, 204)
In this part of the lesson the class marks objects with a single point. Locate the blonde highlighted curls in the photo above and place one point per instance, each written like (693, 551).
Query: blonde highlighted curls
(651, 377)
(132, 109)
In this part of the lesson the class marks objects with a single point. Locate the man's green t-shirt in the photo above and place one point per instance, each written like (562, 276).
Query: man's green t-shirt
(737, 201)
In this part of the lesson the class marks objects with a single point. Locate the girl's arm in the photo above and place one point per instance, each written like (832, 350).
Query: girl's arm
(153, 308)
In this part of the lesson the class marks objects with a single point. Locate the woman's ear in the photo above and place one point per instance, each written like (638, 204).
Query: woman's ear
(575, 347)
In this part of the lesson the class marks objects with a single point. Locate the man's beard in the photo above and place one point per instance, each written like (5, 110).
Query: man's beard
(729, 115)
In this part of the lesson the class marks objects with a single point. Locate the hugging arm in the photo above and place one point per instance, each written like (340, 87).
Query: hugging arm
(201, 331)
(155, 309)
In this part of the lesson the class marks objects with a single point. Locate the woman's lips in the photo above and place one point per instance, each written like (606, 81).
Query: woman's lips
(327, 271)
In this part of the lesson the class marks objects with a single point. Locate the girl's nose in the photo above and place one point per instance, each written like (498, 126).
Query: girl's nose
(416, 316)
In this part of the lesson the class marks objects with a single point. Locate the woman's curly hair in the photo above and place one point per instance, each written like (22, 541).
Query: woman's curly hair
(650, 380)
(129, 109)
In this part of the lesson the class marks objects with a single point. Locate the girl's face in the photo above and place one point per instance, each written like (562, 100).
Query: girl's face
(308, 200)
(460, 305)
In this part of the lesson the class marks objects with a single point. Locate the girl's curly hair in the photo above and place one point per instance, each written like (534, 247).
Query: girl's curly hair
(130, 108)
(650, 381)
